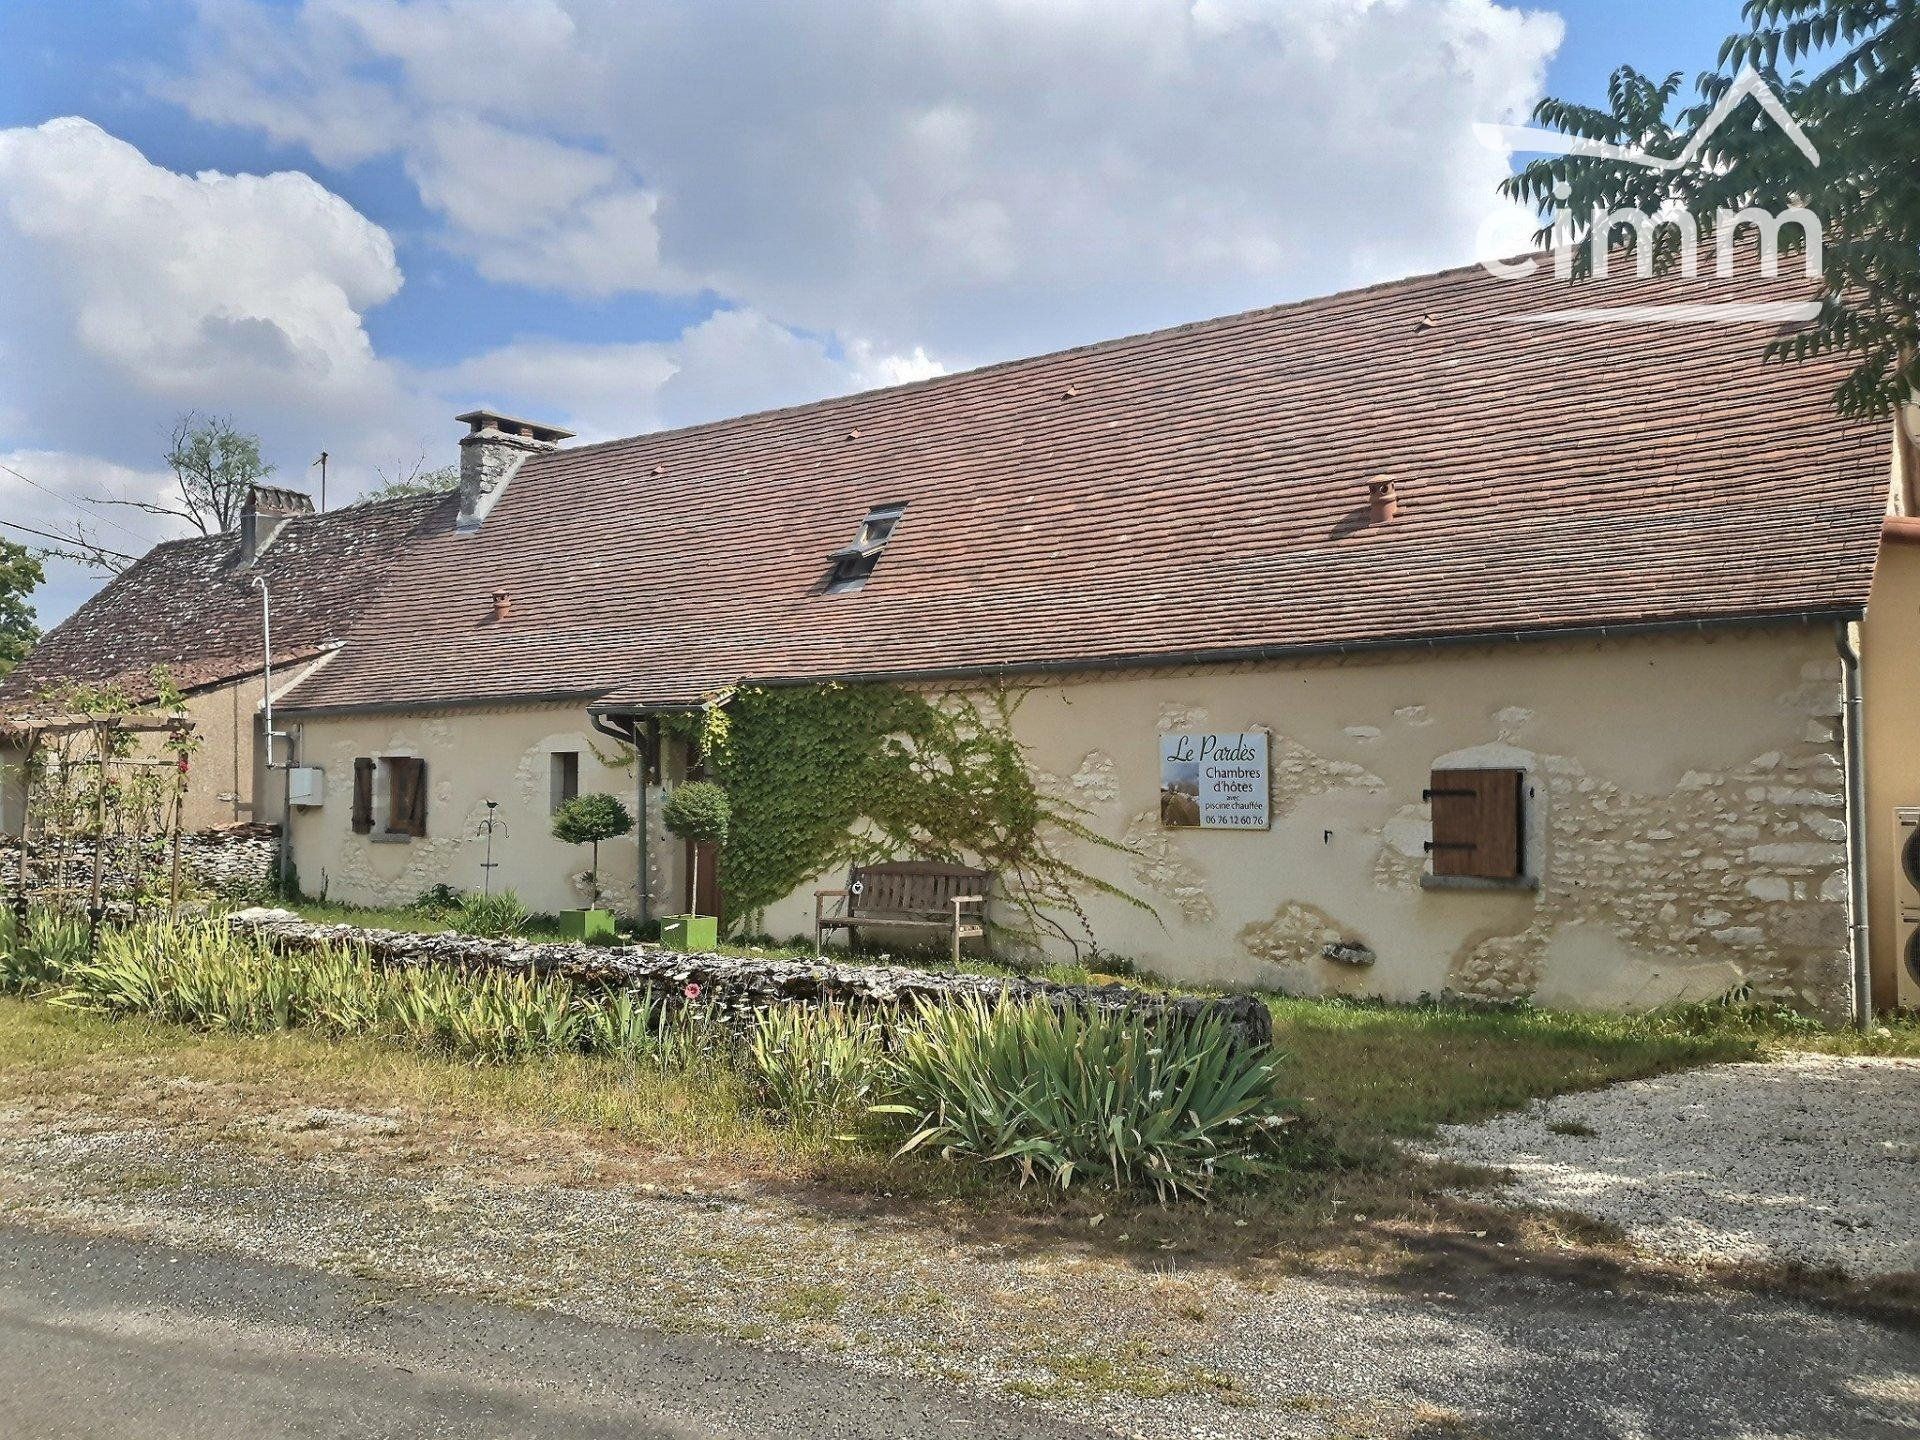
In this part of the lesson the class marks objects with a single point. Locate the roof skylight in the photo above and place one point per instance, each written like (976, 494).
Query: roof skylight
(852, 565)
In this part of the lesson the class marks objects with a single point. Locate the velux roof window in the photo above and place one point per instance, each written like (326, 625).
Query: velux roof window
(855, 563)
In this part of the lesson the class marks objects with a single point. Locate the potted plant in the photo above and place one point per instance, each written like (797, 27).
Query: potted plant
(587, 820)
(696, 811)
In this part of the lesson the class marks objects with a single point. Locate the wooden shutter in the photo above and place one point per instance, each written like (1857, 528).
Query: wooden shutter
(362, 796)
(407, 798)
(416, 812)
(1477, 825)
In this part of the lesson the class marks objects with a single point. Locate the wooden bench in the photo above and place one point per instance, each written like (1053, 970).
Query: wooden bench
(908, 895)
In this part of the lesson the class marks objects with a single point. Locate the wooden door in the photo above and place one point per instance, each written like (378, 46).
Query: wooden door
(707, 902)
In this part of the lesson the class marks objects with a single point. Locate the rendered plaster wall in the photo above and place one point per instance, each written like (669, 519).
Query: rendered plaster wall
(472, 755)
(226, 781)
(1890, 685)
(1685, 821)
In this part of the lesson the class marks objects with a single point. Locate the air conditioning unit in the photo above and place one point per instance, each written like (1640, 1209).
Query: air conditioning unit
(1906, 892)
(306, 786)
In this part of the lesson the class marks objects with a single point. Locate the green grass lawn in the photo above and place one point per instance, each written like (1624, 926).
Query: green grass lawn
(1361, 1077)
(1366, 1077)
(1372, 1073)
(415, 919)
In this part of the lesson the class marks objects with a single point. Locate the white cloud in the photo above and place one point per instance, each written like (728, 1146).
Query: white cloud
(526, 208)
(979, 177)
(130, 293)
(732, 362)
(165, 288)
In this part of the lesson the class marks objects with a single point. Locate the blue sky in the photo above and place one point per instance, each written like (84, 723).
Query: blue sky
(657, 214)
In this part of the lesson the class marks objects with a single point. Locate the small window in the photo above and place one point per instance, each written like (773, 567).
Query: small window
(563, 777)
(853, 565)
(406, 795)
(1479, 825)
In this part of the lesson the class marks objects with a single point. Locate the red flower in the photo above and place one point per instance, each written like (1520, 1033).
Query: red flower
(693, 992)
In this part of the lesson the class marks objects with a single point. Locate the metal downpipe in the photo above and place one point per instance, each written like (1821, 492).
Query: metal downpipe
(1854, 759)
(629, 733)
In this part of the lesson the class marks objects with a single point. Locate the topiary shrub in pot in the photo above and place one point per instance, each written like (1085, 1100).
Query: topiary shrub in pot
(587, 820)
(698, 811)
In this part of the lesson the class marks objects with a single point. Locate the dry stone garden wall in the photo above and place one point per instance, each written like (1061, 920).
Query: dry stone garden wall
(234, 863)
(738, 984)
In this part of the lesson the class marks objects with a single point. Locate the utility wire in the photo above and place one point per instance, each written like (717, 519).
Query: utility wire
(69, 500)
(65, 540)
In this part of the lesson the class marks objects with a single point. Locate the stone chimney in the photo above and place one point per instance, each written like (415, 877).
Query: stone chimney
(266, 509)
(494, 447)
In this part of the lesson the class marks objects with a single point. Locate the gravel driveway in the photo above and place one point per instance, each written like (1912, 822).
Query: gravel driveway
(394, 1206)
(1815, 1159)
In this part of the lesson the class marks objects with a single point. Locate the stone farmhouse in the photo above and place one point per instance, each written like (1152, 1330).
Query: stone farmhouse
(1396, 642)
(194, 607)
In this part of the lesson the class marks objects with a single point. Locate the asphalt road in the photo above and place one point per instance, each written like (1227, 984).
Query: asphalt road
(113, 1337)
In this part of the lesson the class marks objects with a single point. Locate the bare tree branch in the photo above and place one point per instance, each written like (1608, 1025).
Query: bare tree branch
(148, 506)
(78, 544)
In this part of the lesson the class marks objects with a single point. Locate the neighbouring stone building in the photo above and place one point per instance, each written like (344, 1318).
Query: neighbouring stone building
(1380, 645)
(194, 608)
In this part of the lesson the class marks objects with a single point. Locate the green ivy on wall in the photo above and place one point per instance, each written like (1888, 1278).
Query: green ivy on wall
(832, 775)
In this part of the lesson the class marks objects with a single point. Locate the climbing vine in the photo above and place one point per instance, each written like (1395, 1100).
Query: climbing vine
(832, 775)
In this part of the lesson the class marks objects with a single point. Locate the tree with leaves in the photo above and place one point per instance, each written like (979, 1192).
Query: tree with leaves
(20, 573)
(587, 820)
(214, 464)
(407, 481)
(698, 811)
(1860, 109)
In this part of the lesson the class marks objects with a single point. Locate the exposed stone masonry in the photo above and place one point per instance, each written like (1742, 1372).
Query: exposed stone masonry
(1745, 866)
(237, 863)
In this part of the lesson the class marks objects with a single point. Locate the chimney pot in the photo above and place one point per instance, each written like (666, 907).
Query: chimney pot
(265, 510)
(502, 605)
(1383, 500)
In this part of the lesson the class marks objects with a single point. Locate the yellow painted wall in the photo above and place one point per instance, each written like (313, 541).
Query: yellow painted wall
(1685, 799)
(1686, 818)
(1890, 688)
(472, 756)
(227, 780)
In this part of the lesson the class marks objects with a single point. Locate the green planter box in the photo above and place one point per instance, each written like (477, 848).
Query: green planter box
(587, 925)
(689, 932)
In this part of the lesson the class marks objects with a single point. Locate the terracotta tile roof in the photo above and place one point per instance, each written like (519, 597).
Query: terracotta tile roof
(1196, 491)
(191, 606)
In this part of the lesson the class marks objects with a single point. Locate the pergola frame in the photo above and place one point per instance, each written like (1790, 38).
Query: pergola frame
(32, 735)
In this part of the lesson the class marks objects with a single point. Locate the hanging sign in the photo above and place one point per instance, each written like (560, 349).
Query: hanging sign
(1214, 782)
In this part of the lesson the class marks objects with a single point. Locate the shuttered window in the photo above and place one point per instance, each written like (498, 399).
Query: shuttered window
(363, 796)
(1478, 825)
(406, 796)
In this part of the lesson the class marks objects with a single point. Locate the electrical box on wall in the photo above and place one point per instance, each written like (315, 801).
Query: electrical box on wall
(306, 786)
(1906, 919)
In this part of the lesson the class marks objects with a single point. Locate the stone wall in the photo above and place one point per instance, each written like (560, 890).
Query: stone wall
(235, 863)
(741, 985)
(1684, 820)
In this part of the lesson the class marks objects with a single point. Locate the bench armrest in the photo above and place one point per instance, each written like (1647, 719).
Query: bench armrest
(969, 900)
(820, 898)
